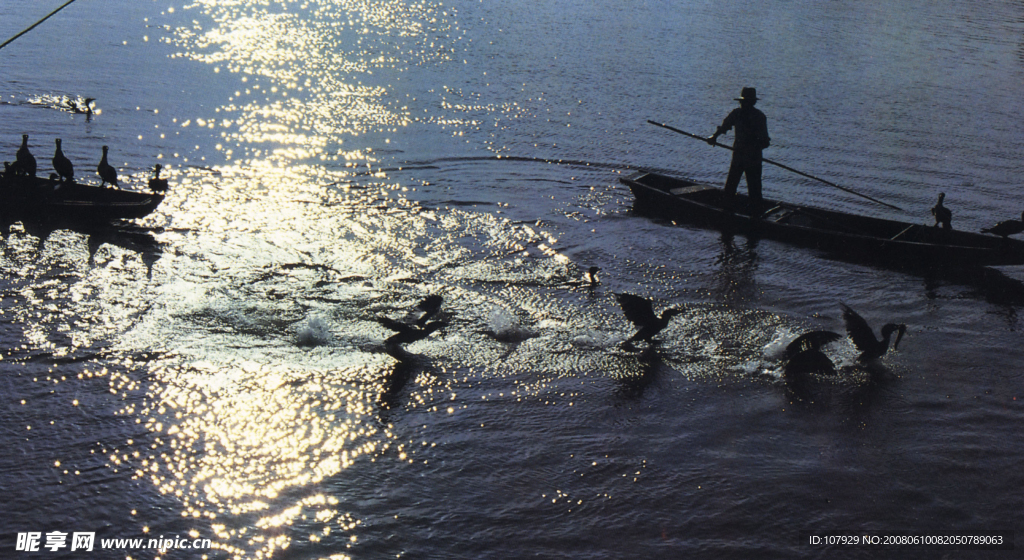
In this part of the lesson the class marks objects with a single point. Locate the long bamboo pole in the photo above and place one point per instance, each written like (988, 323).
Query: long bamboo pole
(786, 167)
(34, 25)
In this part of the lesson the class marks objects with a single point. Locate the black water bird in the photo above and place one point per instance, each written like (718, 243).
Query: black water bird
(429, 306)
(640, 312)
(804, 359)
(864, 339)
(156, 184)
(1007, 228)
(25, 162)
(85, 108)
(807, 362)
(106, 171)
(800, 370)
(813, 340)
(412, 329)
(406, 333)
(62, 165)
(591, 276)
(943, 216)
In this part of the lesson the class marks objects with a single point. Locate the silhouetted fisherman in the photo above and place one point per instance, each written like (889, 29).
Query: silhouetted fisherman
(25, 162)
(156, 184)
(641, 312)
(1007, 228)
(751, 137)
(106, 171)
(864, 339)
(943, 215)
(62, 165)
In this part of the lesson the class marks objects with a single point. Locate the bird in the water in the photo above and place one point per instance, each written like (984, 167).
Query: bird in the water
(62, 165)
(641, 312)
(429, 306)
(943, 216)
(800, 369)
(85, 108)
(411, 330)
(813, 340)
(591, 276)
(24, 161)
(406, 333)
(805, 359)
(106, 171)
(156, 184)
(1006, 228)
(864, 339)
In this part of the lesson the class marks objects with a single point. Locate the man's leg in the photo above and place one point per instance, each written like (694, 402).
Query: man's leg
(753, 173)
(733, 179)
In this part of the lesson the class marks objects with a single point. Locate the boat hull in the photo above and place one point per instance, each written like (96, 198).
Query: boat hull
(843, 235)
(38, 199)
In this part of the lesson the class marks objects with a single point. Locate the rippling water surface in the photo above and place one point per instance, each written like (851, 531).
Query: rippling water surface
(219, 371)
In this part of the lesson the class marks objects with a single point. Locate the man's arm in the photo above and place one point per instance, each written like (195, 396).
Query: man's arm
(726, 126)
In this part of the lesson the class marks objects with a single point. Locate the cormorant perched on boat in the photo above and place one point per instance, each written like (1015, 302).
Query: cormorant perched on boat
(24, 161)
(156, 184)
(864, 339)
(942, 214)
(1006, 228)
(62, 165)
(106, 171)
(641, 312)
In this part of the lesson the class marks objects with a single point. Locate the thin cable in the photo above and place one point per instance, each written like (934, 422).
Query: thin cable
(34, 25)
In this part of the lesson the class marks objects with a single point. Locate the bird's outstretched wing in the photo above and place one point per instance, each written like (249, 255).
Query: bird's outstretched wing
(813, 340)
(637, 309)
(396, 326)
(858, 329)
(433, 326)
(809, 361)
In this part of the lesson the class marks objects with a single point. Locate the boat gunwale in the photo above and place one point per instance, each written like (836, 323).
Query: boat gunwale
(964, 245)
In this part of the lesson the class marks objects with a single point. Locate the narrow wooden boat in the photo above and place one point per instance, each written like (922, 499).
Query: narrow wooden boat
(39, 199)
(845, 235)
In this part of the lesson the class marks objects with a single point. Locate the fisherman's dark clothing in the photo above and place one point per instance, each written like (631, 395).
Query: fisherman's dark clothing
(751, 137)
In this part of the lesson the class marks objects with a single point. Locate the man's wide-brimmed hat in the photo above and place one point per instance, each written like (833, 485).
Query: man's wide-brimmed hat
(747, 94)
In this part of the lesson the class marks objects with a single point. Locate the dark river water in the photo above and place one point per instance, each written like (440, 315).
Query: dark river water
(218, 371)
